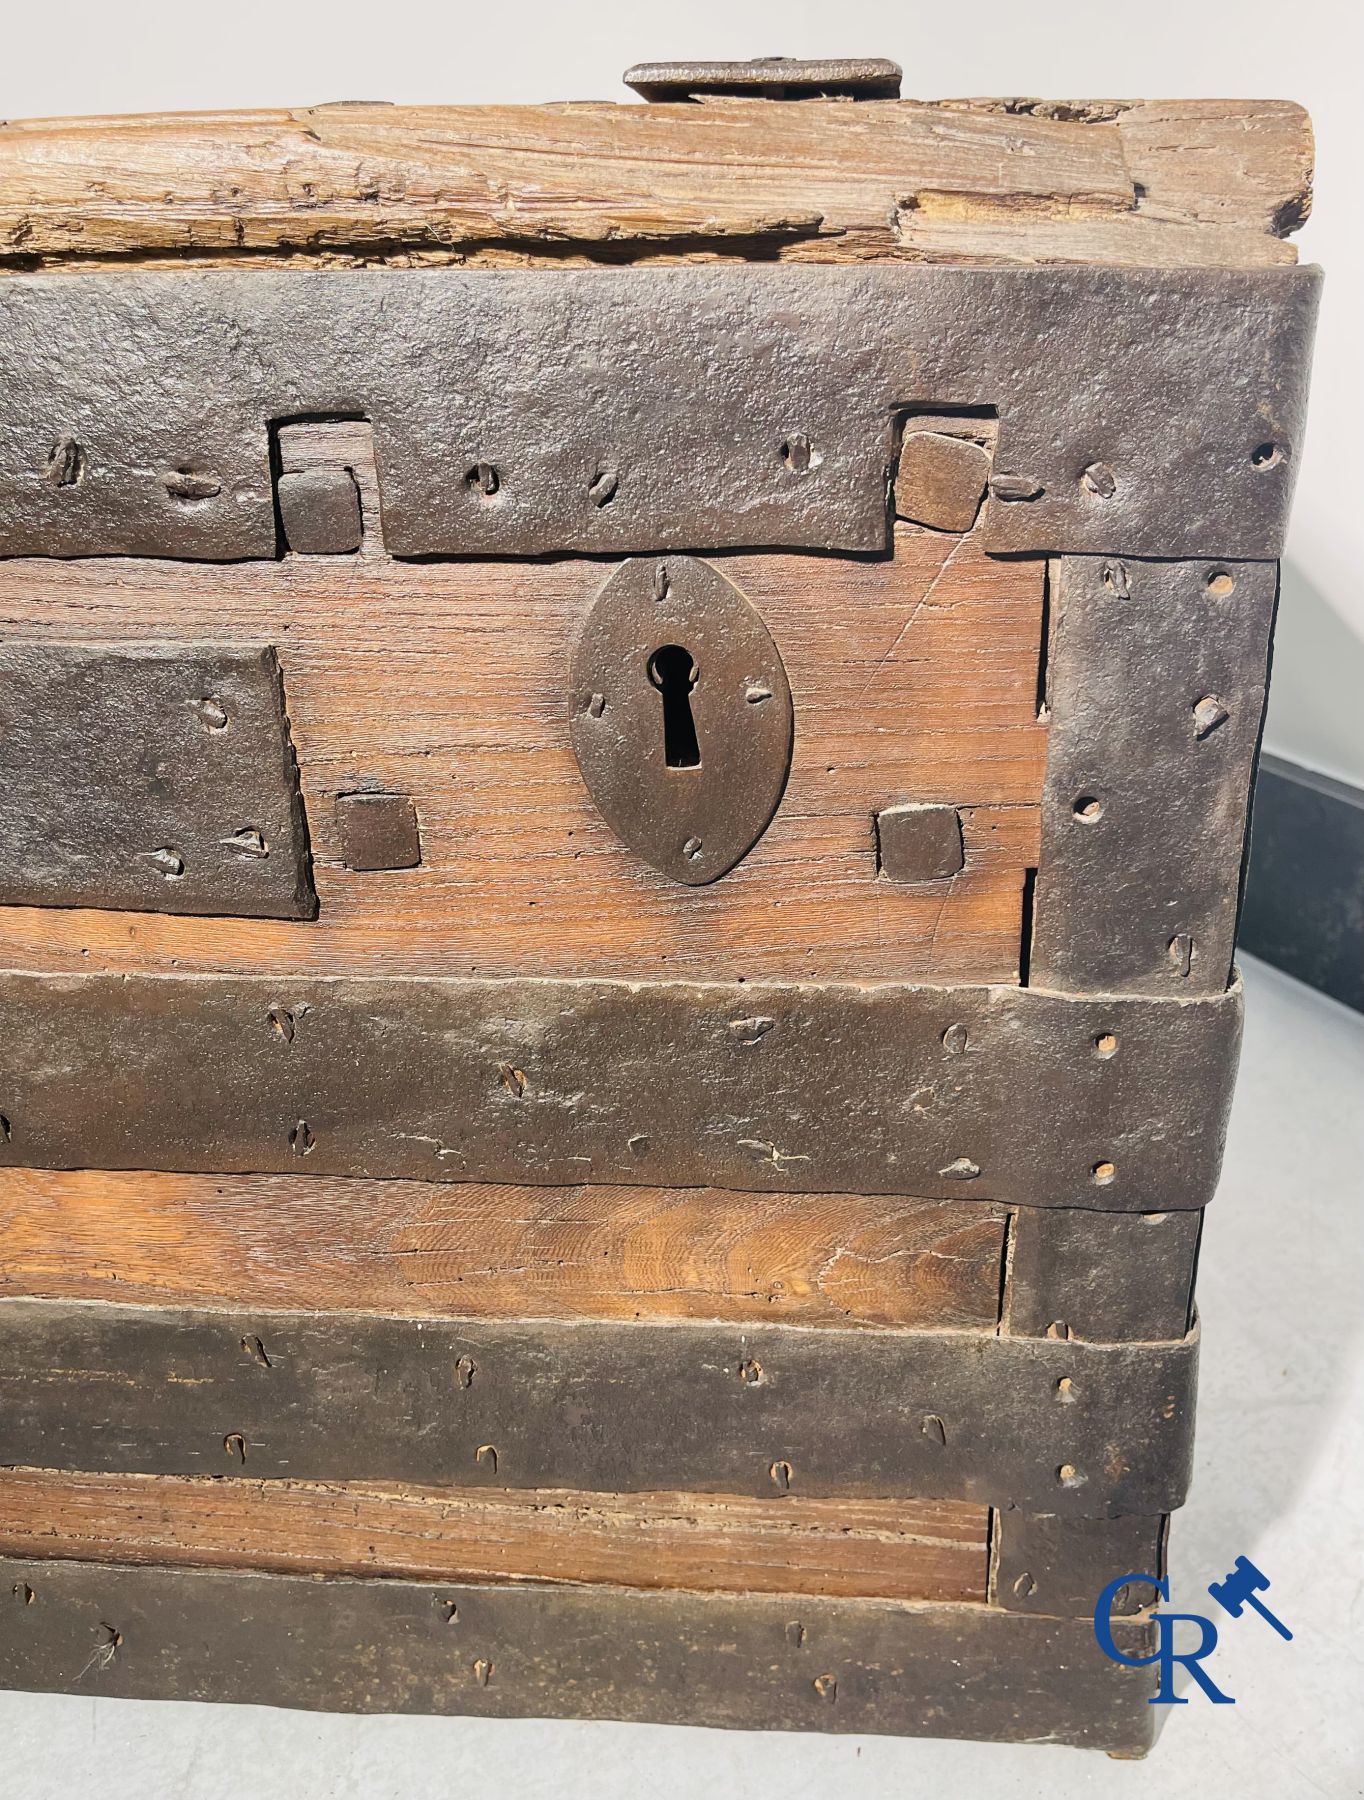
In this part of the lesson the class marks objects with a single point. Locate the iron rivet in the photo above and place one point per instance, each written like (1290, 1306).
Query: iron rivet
(65, 463)
(963, 1169)
(602, 488)
(1209, 713)
(169, 862)
(1117, 581)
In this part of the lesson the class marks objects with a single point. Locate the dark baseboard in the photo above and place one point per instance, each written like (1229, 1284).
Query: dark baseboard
(1304, 901)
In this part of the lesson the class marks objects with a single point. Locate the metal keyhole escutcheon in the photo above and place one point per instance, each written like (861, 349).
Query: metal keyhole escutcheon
(681, 716)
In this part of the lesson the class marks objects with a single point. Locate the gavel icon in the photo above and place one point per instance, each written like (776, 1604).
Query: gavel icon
(1238, 1590)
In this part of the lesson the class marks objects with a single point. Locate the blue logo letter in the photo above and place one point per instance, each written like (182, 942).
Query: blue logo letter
(1164, 1652)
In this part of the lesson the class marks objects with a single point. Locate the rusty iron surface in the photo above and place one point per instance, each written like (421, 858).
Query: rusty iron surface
(1141, 411)
(1079, 1429)
(919, 842)
(940, 480)
(1156, 681)
(547, 1650)
(319, 511)
(378, 831)
(1104, 1277)
(1048, 1564)
(151, 780)
(769, 78)
(680, 715)
(995, 1093)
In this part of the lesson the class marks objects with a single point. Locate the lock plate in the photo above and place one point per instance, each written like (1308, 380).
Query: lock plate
(681, 716)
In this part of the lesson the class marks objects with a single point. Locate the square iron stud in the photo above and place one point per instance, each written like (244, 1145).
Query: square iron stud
(919, 843)
(941, 480)
(378, 831)
(320, 511)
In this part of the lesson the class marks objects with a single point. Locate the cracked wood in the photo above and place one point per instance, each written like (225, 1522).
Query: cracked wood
(1172, 182)
(891, 1549)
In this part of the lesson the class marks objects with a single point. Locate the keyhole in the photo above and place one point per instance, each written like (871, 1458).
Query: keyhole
(673, 672)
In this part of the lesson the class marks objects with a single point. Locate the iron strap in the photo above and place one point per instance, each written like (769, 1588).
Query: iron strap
(998, 1093)
(1141, 411)
(547, 1650)
(1046, 1424)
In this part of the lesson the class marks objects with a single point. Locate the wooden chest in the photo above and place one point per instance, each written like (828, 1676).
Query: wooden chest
(625, 738)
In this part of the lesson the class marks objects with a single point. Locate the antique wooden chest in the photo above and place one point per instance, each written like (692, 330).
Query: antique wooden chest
(625, 737)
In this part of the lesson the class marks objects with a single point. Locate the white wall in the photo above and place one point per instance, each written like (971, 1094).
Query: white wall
(95, 56)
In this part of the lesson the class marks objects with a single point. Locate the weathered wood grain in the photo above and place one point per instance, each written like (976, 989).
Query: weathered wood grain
(1214, 181)
(894, 1549)
(914, 678)
(474, 1251)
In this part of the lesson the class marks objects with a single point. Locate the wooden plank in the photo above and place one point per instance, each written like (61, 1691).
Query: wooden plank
(478, 1251)
(1061, 1427)
(756, 1662)
(822, 180)
(914, 677)
(713, 1543)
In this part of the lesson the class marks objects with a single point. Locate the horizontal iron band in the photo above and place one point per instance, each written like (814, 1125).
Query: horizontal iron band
(1046, 1424)
(1141, 411)
(753, 1662)
(997, 1093)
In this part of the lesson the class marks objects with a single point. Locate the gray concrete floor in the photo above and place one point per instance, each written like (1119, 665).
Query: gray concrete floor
(1278, 1478)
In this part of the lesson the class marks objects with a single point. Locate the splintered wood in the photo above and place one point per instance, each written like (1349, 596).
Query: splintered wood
(1156, 182)
(892, 1549)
